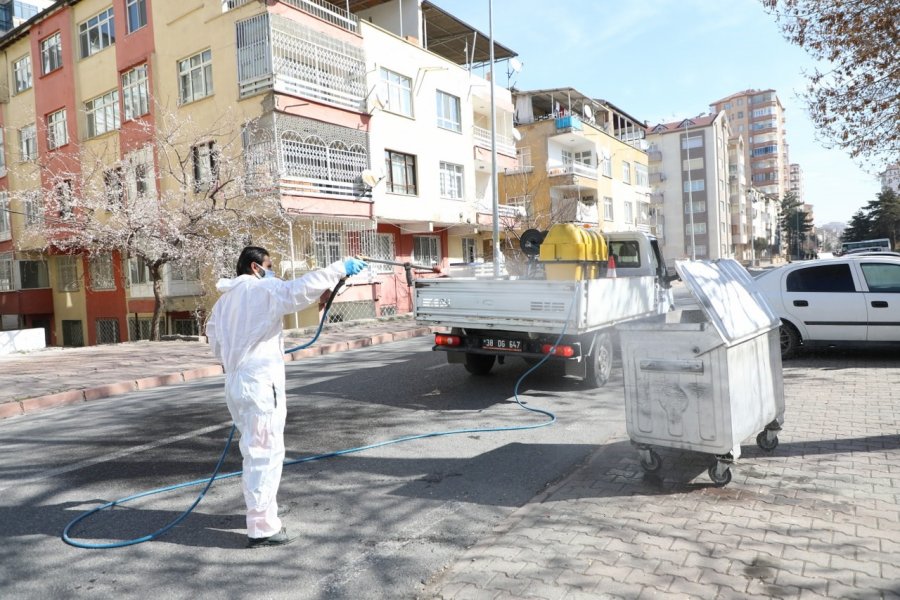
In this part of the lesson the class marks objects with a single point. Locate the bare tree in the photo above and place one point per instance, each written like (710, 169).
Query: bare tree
(854, 103)
(190, 196)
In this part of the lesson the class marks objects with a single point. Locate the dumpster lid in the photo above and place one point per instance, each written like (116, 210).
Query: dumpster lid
(729, 297)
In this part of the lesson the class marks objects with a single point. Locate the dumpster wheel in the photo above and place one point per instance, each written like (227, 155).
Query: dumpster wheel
(767, 440)
(720, 474)
(650, 461)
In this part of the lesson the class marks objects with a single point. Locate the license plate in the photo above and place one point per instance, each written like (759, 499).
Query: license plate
(501, 344)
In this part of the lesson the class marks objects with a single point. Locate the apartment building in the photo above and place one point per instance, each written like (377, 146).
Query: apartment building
(692, 194)
(795, 181)
(758, 116)
(304, 81)
(580, 160)
(890, 178)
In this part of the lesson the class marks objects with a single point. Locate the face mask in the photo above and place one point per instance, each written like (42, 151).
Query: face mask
(266, 273)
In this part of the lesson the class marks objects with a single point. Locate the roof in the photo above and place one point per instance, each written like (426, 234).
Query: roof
(747, 92)
(544, 99)
(445, 34)
(699, 121)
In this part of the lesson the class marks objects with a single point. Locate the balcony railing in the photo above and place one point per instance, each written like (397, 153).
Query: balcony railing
(505, 145)
(573, 168)
(309, 168)
(657, 177)
(277, 53)
(170, 289)
(569, 122)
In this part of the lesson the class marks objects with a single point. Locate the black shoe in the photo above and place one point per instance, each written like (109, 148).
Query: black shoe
(279, 539)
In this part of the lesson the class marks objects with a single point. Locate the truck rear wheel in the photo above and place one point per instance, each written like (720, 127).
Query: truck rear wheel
(599, 361)
(479, 364)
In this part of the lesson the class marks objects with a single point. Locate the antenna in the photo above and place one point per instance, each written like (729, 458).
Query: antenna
(371, 177)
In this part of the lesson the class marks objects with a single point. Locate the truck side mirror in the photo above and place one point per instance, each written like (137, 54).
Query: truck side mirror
(670, 276)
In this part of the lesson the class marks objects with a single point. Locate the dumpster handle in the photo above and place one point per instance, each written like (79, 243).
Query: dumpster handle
(672, 366)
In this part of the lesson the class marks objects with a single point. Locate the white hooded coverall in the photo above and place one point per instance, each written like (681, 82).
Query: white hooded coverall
(245, 333)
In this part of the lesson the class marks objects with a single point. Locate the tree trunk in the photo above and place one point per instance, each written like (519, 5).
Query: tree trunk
(156, 278)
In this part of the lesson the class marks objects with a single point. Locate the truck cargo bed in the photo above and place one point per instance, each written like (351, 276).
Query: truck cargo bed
(532, 305)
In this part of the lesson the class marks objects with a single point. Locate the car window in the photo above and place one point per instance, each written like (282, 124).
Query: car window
(627, 253)
(882, 277)
(824, 278)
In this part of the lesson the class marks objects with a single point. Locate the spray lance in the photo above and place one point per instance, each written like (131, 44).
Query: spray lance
(407, 266)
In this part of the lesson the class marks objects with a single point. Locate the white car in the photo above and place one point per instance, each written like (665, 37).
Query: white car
(850, 299)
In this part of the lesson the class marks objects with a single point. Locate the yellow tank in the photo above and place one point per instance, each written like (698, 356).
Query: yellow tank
(572, 252)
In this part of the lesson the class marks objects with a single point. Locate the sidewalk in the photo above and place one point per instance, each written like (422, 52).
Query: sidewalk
(818, 517)
(35, 381)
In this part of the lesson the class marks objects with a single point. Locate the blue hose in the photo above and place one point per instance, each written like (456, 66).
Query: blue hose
(216, 476)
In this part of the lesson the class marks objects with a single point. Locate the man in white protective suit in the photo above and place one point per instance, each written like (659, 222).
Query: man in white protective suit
(245, 333)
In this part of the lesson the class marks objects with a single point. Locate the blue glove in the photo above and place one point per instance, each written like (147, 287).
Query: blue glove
(353, 266)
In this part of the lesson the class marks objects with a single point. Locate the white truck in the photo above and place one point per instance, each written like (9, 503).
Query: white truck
(489, 320)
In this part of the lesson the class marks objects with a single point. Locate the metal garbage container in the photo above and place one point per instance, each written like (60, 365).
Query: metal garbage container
(705, 378)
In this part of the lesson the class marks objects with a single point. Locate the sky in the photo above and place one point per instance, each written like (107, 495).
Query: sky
(664, 60)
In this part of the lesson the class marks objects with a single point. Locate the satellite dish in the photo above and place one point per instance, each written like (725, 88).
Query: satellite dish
(371, 177)
(517, 135)
(380, 99)
(531, 241)
(515, 65)
(588, 112)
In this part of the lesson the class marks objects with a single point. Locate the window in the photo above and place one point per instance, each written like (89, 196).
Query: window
(22, 73)
(383, 250)
(523, 158)
(102, 114)
(57, 133)
(67, 274)
(694, 185)
(763, 150)
(699, 228)
(606, 166)
(694, 141)
(401, 172)
(693, 164)
(881, 277)
(195, 79)
(398, 91)
(33, 274)
(826, 278)
(135, 92)
(136, 13)
(468, 250)
(28, 142)
(101, 268)
(699, 206)
(73, 334)
(641, 177)
(62, 193)
(51, 53)
(179, 271)
(6, 272)
(140, 177)
(2, 153)
(138, 271)
(629, 211)
(114, 184)
(740, 114)
(206, 164)
(607, 208)
(451, 181)
(626, 172)
(584, 158)
(426, 250)
(448, 115)
(97, 33)
(5, 231)
(108, 331)
(328, 247)
(34, 210)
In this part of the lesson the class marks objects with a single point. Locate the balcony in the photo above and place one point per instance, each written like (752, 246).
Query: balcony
(657, 178)
(573, 168)
(505, 144)
(280, 54)
(654, 155)
(570, 122)
(170, 289)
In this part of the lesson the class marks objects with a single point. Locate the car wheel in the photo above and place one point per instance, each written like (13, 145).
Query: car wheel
(479, 364)
(790, 340)
(600, 361)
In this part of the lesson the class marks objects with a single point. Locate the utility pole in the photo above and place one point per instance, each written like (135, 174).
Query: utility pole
(494, 193)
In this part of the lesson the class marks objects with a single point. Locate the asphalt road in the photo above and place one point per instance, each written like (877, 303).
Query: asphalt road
(375, 524)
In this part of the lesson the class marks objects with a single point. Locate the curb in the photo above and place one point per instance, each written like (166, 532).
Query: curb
(17, 408)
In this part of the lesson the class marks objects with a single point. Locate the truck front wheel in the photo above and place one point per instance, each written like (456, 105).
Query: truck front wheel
(599, 362)
(479, 364)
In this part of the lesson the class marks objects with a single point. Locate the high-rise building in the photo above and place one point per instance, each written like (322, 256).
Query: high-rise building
(758, 117)
(795, 185)
(890, 178)
(692, 196)
(15, 12)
